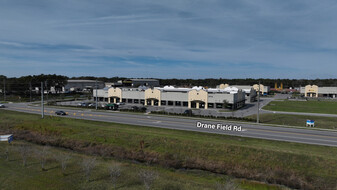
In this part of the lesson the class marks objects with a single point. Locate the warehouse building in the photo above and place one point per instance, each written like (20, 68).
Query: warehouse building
(264, 90)
(196, 97)
(250, 92)
(140, 82)
(314, 91)
(82, 85)
(134, 83)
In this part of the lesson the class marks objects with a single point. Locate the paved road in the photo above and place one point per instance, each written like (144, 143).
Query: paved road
(317, 137)
(300, 113)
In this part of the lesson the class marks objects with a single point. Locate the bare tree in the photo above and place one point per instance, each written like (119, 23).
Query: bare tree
(42, 156)
(88, 165)
(229, 185)
(148, 177)
(115, 173)
(24, 151)
(63, 158)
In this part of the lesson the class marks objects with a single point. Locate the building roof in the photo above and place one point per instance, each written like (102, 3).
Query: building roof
(83, 81)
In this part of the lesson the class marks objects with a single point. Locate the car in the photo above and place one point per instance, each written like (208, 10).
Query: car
(84, 104)
(120, 103)
(111, 106)
(188, 112)
(60, 113)
(92, 105)
(2, 106)
(135, 108)
(143, 109)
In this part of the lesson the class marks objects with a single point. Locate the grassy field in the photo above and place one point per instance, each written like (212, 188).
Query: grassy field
(16, 176)
(292, 164)
(327, 107)
(297, 120)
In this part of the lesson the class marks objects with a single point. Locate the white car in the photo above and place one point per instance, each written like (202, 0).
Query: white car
(120, 103)
(2, 106)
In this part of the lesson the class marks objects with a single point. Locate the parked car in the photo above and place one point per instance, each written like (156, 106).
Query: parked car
(85, 104)
(135, 108)
(143, 109)
(120, 103)
(60, 113)
(188, 112)
(2, 106)
(92, 105)
(111, 107)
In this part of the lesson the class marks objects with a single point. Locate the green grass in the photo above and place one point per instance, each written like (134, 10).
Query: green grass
(14, 176)
(297, 165)
(326, 107)
(297, 120)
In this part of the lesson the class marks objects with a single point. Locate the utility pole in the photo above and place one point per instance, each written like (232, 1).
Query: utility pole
(96, 94)
(258, 105)
(30, 91)
(4, 89)
(42, 105)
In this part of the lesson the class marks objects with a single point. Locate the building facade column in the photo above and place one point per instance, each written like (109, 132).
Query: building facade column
(197, 105)
(159, 102)
(152, 102)
(145, 102)
(109, 100)
(189, 104)
(206, 105)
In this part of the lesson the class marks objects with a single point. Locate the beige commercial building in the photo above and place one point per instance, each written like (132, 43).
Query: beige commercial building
(196, 97)
(314, 91)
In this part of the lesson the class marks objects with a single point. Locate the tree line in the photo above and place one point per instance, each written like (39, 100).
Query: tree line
(23, 85)
(213, 82)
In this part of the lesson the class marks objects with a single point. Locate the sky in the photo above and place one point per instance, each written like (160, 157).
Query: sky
(169, 39)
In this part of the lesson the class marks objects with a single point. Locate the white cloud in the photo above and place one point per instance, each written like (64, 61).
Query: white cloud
(292, 36)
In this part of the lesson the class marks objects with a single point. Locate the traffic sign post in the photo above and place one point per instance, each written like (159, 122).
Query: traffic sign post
(8, 138)
(310, 123)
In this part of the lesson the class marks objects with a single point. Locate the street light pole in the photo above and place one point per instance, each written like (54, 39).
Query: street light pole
(42, 105)
(96, 94)
(4, 89)
(258, 105)
(30, 91)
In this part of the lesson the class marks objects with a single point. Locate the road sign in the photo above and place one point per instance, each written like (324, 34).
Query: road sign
(310, 123)
(8, 138)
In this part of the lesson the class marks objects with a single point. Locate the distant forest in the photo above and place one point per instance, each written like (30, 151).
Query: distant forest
(212, 82)
(24, 83)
